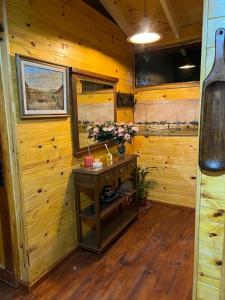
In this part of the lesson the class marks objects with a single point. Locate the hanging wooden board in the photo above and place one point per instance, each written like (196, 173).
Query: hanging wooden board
(212, 130)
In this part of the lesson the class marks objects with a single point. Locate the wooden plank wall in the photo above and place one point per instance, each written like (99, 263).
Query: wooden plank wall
(73, 34)
(210, 215)
(174, 180)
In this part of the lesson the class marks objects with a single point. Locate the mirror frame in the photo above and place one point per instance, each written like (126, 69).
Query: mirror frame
(77, 73)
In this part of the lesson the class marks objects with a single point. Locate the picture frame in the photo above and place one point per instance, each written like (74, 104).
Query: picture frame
(44, 88)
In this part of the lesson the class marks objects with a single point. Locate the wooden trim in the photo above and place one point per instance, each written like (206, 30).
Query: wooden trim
(28, 288)
(173, 205)
(7, 273)
(222, 289)
(168, 10)
(95, 76)
(99, 78)
(117, 15)
(174, 45)
(175, 85)
(199, 174)
(9, 277)
(10, 153)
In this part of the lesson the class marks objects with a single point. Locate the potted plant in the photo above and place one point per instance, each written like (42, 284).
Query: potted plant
(143, 186)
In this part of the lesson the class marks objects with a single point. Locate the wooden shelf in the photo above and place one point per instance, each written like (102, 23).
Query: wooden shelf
(110, 231)
(89, 211)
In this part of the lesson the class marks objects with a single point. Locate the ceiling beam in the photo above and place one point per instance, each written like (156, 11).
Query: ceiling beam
(117, 15)
(168, 10)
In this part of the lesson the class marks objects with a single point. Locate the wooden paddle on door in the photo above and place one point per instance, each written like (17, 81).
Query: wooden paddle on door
(212, 127)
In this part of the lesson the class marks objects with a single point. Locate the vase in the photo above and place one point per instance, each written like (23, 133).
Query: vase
(121, 150)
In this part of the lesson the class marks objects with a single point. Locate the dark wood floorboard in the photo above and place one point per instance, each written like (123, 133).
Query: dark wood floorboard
(153, 260)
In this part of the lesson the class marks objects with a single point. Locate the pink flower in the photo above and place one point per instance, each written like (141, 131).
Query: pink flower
(121, 129)
(127, 136)
(121, 124)
(96, 129)
(111, 128)
(130, 124)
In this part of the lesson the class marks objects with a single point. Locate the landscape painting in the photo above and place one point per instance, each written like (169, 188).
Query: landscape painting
(43, 88)
(167, 117)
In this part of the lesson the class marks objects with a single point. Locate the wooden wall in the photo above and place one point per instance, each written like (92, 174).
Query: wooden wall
(174, 180)
(73, 34)
(210, 215)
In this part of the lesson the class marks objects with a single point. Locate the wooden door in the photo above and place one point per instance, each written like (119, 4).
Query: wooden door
(7, 272)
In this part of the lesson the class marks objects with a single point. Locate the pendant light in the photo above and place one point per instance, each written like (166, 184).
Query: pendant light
(187, 65)
(145, 35)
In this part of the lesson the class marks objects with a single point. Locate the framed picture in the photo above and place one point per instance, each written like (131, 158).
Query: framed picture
(44, 88)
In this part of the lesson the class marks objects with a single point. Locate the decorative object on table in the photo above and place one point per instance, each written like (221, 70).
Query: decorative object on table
(121, 150)
(119, 132)
(43, 88)
(109, 194)
(109, 157)
(125, 100)
(167, 117)
(126, 189)
(212, 132)
(123, 134)
(88, 160)
(97, 163)
(143, 186)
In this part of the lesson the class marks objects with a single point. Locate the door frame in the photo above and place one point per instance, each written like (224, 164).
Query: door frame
(7, 272)
(9, 142)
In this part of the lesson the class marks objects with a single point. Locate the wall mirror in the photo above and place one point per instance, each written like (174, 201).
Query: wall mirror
(94, 99)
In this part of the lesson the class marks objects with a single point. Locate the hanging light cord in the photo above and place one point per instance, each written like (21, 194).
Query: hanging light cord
(145, 8)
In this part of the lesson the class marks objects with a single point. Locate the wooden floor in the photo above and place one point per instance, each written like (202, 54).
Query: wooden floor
(153, 260)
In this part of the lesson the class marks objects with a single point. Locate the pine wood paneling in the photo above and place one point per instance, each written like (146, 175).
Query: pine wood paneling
(174, 180)
(207, 292)
(69, 33)
(209, 249)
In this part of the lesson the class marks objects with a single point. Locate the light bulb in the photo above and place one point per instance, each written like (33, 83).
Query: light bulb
(144, 38)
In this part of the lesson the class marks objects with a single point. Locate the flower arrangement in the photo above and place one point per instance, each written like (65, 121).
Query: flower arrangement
(120, 132)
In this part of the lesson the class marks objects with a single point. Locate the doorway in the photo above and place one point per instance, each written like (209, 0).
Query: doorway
(7, 270)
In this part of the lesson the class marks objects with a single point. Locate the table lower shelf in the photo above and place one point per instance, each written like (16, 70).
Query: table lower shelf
(110, 231)
(89, 211)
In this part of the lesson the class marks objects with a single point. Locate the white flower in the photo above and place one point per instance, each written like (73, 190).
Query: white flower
(136, 129)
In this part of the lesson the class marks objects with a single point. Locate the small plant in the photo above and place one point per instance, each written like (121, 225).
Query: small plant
(143, 185)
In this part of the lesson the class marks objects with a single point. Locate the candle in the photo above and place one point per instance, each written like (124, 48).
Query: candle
(88, 161)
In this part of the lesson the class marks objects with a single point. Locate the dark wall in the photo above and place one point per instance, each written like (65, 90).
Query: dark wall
(162, 66)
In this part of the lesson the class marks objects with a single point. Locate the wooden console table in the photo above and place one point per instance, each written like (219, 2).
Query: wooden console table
(108, 220)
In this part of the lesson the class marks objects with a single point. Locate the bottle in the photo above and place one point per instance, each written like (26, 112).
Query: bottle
(109, 159)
